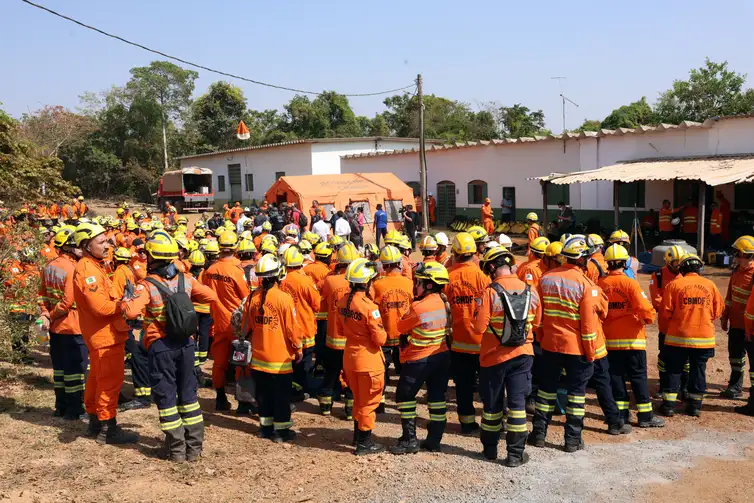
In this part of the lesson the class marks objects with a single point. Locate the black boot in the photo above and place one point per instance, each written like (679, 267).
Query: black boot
(735, 385)
(349, 409)
(267, 432)
(286, 435)
(325, 405)
(619, 428)
(60, 402)
(380, 408)
(111, 433)
(95, 426)
(746, 410)
(515, 443)
(221, 401)
(571, 447)
(175, 444)
(74, 409)
(435, 430)
(407, 443)
(244, 408)
(355, 433)
(365, 444)
(469, 428)
(652, 422)
(194, 435)
(135, 404)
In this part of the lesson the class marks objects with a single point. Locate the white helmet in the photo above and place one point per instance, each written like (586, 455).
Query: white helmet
(492, 244)
(283, 247)
(441, 238)
(429, 194)
(504, 240)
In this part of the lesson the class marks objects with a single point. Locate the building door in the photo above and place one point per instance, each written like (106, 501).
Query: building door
(234, 177)
(416, 187)
(446, 202)
(509, 193)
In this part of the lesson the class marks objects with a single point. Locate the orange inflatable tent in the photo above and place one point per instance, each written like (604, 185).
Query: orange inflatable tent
(334, 192)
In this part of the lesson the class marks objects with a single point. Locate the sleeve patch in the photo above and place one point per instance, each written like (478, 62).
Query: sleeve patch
(376, 314)
(91, 280)
(594, 293)
(15, 270)
(644, 295)
(651, 282)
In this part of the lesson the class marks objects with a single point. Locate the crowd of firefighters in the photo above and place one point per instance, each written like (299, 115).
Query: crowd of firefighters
(290, 314)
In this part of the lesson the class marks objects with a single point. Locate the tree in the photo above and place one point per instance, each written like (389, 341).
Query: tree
(588, 125)
(51, 127)
(710, 91)
(518, 121)
(170, 86)
(217, 113)
(638, 113)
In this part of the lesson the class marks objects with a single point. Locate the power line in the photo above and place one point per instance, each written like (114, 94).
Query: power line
(195, 65)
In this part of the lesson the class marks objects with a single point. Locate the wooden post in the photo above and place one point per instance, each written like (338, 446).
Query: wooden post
(616, 202)
(700, 221)
(544, 204)
(422, 158)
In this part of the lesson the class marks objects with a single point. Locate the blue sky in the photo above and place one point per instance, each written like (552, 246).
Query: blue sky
(476, 51)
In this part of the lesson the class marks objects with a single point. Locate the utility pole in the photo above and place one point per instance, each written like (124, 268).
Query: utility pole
(422, 158)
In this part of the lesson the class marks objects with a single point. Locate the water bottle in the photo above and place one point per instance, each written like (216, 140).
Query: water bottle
(43, 335)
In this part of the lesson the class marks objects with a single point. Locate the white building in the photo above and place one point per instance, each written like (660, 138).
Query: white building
(244, 174)
(461, 175)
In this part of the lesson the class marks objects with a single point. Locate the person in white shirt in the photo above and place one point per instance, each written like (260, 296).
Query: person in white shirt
(342, 227)
(244, 218)
(322, 229)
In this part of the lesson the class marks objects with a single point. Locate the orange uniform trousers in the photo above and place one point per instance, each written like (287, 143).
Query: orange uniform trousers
(220, 351)
(104, 381)
(489, 226)
(367, 388)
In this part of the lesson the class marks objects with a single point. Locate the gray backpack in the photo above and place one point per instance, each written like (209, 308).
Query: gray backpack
(516, 308)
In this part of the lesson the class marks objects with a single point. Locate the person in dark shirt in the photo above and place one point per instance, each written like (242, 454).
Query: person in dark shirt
(410, 223)
(565, 218)
(379, 225)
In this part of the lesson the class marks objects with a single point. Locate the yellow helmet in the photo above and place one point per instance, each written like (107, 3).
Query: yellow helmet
(180, 220)
(575, 248)
(63, 237)
(616, 253)
(122, 255)
(532, 217)
(131, 226)
(81, 198)
(347, 254)
(464, 244)
(161, 246)
(393, 237)
(390, 255)
(268, 246)
(323, 250)
(227, 241)
(479, 234)
(270, 237)
(293, 257)
(371, 249)
(594, 242)
(539, 245)
(691, 259)
(360, 271)
(565, 237)
(268, 267)
(196, 259)
(87, 231)
(405, 243)
(675, 254)
(157, 225)
(199, 224)
(428, 243)
(136, 215)
(745, 245)
(193, 245)
(495, 252)
(203, 242)
(146, 227)
(229, 225)
(182, 242)
(246, 246)
(267, 226)
(246, 235)
(212, 248)
(336, 241)
(432, 271)
(554, 249)
(119, 211)
(305, 246)
(619, 236)
(312, 237)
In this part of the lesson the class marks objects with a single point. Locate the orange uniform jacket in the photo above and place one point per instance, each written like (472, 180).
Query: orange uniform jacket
(570, 323)
(15, 284)
(122, 275)
(656, 288)
(467, 284)
(56, 296)
(361, 324)
(226, 278)
(48, 252)
(54, 211)
(407, 269)
(691, 304)
(334, 287)
(100, 315)
(393, 294)
(629, 310)
(486, 212)
(307, 301)
(200, 307)
(531, 272)
(492, 314)
(738, 295)
(533, 232)
(275, 341)
(318, 271)
(666, 216)
(716, 222)
(68, 212)
(425, 322)
(150, 301)
(140, 268)
(690, 218)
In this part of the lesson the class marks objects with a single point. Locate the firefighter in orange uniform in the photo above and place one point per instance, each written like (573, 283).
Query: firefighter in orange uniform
(667, 229)
(596, 267)
(335, 287)
(736, 299)
(467, 284)
(22, 274)
(317, 271)
(569, 341)
(747, 409)
(428, 248)
(657, 284)
(270, 320)
(82, 209)
(393, 294)
(506, 356)
(360, 322)
(716, 228)
(534, 229)
(626, 340)
(307, 300)
(105, 333)
(48, 251)
(532, 271)
(227, 279)
(407, 265)
(171, 348)
(59, 313)
(689, 221)
(198, 262)
(69, 212)
(442, 255)
(487, 223)
(139, 259)
(691, 304)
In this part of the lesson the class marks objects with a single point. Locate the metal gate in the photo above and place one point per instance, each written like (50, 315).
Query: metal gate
(446, 202)
(234, 177)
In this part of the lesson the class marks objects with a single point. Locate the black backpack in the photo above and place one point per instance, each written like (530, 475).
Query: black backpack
(181, 320)
(516, 308)
(599, 268)
(302, 220)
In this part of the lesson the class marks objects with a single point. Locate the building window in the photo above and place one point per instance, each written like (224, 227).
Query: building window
(220, 183)
(416, 187)
(278, 174)
(743, 196)
(477, 192)
(393, 209)
(631, 193)
(557, 194)
(249, 182)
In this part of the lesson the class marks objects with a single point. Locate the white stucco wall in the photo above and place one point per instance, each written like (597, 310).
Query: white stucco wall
(326, 156)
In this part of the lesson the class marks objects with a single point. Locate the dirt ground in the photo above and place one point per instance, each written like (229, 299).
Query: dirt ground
(45, 459)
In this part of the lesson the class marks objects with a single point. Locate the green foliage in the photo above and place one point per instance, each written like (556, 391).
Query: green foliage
(216, 115)
(166, 83)
(518, 121)
(589, 125)
(635, 114)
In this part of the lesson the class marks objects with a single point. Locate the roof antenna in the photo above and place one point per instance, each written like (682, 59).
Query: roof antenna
(563, 99)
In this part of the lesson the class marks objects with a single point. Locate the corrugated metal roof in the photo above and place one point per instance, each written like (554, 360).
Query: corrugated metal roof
(309, 140)
(715, 170)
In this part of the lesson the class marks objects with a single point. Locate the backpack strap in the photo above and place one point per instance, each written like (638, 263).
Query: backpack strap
(501, 293)
(181, 283)
(599, 267)
(160, 286)
(658, 275)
